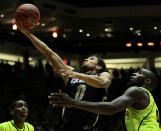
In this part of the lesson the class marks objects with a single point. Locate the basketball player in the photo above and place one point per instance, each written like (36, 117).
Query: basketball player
(19, 111)
(141, 110)
(90, 85)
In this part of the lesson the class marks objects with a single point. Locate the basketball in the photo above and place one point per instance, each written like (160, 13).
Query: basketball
(27, 15)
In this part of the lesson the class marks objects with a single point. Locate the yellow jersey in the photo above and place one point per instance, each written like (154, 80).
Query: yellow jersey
(143, 120)
(10, 126)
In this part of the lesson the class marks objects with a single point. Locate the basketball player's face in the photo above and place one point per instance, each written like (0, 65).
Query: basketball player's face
(21, 110)
(90, 63)
(137, 79)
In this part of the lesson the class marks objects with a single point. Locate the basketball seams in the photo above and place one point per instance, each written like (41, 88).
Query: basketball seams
(20, 18)
(31, 14)
(30, 6)
(27, 15)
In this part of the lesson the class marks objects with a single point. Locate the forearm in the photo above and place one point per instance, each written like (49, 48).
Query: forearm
(46, 51)
(92, 80)
(105, 108)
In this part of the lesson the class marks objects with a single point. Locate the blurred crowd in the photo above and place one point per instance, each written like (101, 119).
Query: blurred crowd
(34, 84)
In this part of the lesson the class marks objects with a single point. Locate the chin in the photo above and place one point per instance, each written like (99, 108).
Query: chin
(84, 68)
(24, 116)
(134, 83)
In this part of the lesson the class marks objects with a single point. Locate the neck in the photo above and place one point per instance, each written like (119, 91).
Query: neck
(147, 87)
(19, 123)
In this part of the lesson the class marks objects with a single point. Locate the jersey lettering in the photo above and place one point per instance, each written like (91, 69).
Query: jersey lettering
(73, 81)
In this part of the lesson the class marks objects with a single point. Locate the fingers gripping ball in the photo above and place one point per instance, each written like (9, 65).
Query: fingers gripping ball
(27, 15)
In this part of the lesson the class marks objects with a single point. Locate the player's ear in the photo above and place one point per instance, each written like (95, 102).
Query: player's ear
(148, 81)
(98, 67)
(12, 112)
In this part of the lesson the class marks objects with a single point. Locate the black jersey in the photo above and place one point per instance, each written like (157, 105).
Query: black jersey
(75, 119)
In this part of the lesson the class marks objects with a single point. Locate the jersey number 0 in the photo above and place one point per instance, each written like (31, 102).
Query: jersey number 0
(80, 92)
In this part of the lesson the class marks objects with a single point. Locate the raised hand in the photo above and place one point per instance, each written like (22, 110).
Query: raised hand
(22, 29)
(68, 73)
(60, 99)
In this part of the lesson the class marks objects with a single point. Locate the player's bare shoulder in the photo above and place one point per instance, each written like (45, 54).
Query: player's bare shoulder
(106, 75)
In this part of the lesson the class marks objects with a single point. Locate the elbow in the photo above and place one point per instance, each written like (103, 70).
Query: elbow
(47, 53)
(111, 111)
(104, 84)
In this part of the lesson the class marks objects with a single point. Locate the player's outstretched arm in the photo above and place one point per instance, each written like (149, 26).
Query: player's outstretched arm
(108, 108)
(53, 57)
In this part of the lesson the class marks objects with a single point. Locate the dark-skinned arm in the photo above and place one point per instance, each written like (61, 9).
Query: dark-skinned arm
(108, 108)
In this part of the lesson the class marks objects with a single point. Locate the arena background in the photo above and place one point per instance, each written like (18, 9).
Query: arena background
(127, 34)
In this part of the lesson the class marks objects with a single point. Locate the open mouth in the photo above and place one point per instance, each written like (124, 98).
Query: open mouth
(132, 77)
(84, 62)
(24, 112)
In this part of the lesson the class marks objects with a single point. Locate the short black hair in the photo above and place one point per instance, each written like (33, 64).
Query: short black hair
(101, 63)
(14, 104)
